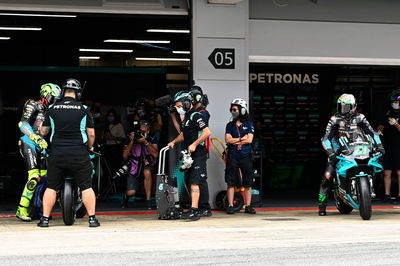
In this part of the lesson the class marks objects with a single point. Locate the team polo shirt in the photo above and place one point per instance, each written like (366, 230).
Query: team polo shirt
(192, 127)
(235, 131)
(68, 120)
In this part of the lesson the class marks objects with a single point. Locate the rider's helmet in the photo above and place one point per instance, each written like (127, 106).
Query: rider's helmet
(49, 92)
(73, 84)
(346, 104)
(184, 97)
(242, 105)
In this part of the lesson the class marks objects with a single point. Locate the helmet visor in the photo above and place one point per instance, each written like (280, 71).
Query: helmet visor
(344, 108)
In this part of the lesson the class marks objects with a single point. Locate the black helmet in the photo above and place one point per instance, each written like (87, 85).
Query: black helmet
(73, 84)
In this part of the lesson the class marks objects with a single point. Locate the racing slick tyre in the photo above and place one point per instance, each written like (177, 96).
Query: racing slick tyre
(364, 196)
(67, 203)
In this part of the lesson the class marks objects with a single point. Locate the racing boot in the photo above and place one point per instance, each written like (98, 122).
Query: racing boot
(22, 214)
(27, 194)
(322, 202)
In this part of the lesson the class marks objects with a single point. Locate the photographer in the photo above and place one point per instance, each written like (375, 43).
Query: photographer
(140, 152)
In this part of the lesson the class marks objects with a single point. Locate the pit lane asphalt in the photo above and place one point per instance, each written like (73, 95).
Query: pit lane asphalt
(296, 237)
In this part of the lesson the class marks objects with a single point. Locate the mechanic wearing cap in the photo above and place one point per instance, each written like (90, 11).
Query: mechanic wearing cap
(239, 136)
(72, 136)
(194, 133)
(390, 130)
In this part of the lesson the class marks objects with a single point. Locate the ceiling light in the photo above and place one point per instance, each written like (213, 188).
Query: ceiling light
(323, 60)
(89, 57)
(5, 38)
(106, 50)
(161, 59)
(181, 52)
(168, 31)
(135, 41)
(38, 15)
(19, 28)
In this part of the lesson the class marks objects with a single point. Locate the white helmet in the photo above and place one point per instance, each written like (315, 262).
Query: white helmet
(242, 103)
(346, 104)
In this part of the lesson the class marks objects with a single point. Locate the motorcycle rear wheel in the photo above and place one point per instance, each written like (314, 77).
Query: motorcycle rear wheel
(364, 193)
(67, 202)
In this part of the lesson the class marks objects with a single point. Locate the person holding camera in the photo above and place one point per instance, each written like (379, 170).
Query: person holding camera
(140, 152)
(390, 129)
(73, 135)
(239, 136)
(194, 133)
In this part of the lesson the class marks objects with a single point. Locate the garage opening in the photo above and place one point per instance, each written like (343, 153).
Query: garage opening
(292, 105)
(121, 59)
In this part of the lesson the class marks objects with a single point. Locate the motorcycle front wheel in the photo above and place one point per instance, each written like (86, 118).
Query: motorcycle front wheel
(364, 196)
(67, 202)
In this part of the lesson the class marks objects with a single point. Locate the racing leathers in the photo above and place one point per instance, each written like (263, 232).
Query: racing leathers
(341, 126)
(32, 147)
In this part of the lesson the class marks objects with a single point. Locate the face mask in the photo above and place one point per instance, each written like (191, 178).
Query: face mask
(110, 119)
(235, 115)
(395, 106)
(181, 111)
(141, 113)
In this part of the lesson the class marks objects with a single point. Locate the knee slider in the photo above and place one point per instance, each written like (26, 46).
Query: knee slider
(32, 184)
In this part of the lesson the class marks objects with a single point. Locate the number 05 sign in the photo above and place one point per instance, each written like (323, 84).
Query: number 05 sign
(223, 58)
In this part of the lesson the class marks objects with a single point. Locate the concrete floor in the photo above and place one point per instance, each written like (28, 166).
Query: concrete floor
(267, 238)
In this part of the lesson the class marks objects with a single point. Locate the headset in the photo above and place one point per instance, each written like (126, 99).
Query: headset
(74, 84)
(197, 93)
(241, 104)
(187, 102)
(185, 98)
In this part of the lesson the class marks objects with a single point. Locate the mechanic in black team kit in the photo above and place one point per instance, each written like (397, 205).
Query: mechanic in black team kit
(72, 136)
(194, 133)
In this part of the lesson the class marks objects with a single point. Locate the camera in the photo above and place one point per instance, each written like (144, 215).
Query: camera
(123, 170)
(138, 132)
(187, 160)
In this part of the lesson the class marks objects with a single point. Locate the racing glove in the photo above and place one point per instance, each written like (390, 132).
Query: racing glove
(331, 154)
(38, 140)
